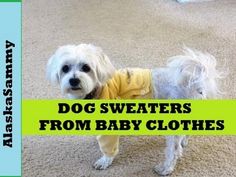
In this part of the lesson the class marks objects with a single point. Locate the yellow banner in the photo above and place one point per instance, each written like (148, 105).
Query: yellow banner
(129, 117)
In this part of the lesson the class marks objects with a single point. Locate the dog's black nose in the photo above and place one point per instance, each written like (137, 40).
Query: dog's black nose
(74, 82)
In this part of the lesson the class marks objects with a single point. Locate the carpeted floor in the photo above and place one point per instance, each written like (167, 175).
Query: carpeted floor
(132, 33)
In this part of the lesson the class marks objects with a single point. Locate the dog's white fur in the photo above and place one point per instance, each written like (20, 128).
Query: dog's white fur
(189, 76)
(75, 57)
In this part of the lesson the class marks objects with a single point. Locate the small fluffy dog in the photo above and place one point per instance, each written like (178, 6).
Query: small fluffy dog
(85, 72)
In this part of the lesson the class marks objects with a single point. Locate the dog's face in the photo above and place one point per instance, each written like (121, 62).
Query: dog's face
(79, 69)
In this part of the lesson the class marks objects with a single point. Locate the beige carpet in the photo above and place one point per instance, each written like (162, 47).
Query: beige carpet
(132, 33)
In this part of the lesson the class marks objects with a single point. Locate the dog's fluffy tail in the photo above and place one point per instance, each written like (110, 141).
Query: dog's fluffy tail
(196, 71)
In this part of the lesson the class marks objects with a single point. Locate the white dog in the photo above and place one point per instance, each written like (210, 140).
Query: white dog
(85, 72)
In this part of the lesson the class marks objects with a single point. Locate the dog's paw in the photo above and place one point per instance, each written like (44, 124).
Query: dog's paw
(163, 170)
(103, 163)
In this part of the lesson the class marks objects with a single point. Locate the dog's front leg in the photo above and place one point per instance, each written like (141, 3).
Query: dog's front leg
(109, 146)
(174, 149)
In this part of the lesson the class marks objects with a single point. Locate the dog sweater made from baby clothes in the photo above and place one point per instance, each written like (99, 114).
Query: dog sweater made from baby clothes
(130, 83)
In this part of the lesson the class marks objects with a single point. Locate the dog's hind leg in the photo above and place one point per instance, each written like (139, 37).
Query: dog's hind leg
(173, 151)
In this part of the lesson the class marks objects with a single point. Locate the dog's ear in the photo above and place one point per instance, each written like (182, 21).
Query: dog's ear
(104, 68)
(52, 73)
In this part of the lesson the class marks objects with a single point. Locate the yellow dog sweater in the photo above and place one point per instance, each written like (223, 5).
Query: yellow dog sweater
(128, 84)
(125, 84)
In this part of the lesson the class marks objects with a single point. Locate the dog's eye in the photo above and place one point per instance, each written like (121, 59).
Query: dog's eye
(85, 68)
(65, 68)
